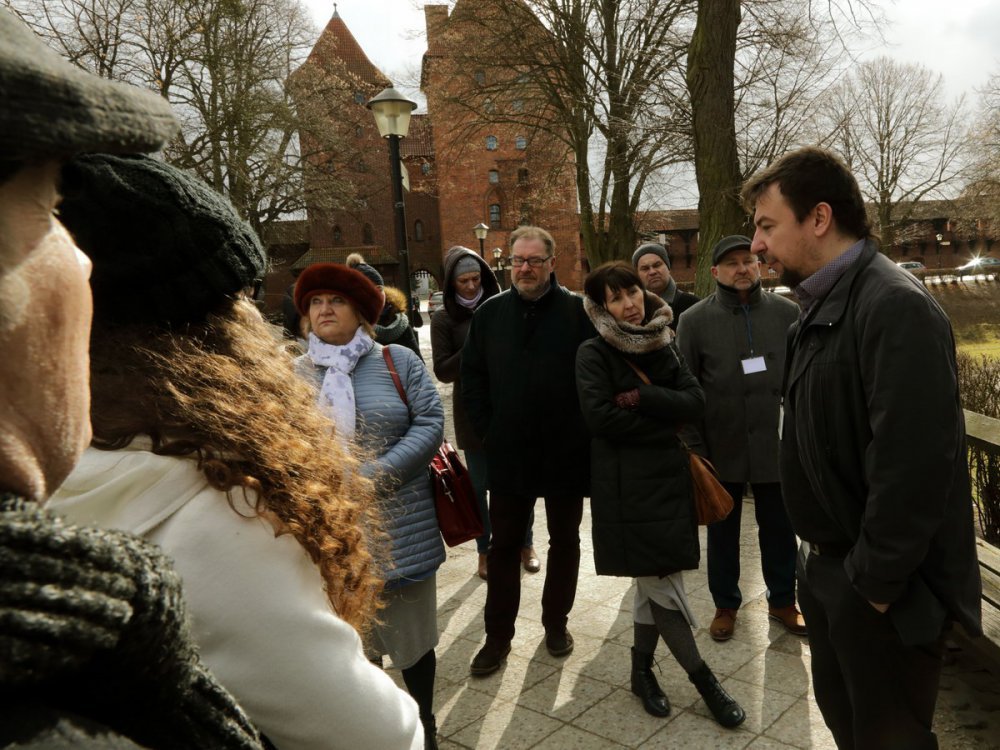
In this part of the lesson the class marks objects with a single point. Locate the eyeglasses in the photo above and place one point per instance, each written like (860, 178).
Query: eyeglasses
(535, 262)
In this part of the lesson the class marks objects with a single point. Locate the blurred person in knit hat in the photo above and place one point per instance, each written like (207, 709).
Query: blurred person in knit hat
(652, 262)
(94, 637)
(393, 326)
(199, 425)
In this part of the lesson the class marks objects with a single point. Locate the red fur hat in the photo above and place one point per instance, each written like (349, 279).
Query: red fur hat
(333, 278)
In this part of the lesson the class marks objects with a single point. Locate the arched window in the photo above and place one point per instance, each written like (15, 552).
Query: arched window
(489, 107)
(359, 97)
(480, 77)
(491, 143)
(520, 143)
(418, 230)
(367, 235)
(522, 177)
(518, 105)
(338, 236)
(525, 217)
(494, 177)
(425, 168)
(494, 216)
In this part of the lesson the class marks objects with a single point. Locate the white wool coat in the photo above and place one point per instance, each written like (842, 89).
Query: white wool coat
(259, 614)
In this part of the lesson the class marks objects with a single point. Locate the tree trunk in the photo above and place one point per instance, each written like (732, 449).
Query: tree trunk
(710, 80)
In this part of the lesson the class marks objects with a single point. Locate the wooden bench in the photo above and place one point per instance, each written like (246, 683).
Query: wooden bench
(985, 431)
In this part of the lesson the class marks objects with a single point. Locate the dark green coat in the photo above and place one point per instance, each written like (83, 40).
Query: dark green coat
(519, 388)
(641, 502)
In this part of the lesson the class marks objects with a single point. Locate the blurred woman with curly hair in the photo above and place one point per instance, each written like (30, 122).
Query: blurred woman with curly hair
(206, 443)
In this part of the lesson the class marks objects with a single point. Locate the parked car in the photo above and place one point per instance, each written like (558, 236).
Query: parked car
(912, 265)
(435, 301)
(984, 264)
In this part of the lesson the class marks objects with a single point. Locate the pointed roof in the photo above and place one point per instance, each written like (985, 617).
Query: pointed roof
(337, 48)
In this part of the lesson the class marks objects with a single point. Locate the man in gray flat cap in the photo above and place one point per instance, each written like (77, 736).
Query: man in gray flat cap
(734, 343)
(129, 675)
(652, 262)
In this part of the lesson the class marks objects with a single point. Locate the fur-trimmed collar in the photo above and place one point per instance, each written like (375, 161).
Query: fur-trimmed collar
(631, 339)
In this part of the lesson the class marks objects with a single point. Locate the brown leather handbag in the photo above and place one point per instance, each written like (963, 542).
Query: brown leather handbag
(711, 500)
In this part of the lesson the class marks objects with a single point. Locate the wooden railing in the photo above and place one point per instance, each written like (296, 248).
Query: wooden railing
(984, 457)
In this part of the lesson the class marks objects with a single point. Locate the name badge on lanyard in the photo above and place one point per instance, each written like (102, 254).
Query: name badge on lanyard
(752, 365)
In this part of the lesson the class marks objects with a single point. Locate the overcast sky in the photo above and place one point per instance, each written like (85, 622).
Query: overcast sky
(957, 38)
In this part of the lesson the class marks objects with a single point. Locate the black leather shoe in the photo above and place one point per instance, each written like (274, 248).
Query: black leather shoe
(489, 658)
(559, 644)
(644, 685)
(724, 708)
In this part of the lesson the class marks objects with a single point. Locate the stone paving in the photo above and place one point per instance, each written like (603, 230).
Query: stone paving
(584, 701)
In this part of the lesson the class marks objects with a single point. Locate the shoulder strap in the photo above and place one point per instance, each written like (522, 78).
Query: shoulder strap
(640, 373)
(387, 356)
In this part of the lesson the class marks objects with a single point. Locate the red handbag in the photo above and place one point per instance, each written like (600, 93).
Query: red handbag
(454, 497)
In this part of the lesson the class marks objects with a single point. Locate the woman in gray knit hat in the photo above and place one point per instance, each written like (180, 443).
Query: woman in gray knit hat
(206, 443)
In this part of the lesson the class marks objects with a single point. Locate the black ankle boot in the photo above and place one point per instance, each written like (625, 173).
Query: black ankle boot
(645, 686)
(725, 710)
(430, 732)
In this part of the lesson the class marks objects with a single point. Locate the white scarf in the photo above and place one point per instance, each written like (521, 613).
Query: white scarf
(336, 395)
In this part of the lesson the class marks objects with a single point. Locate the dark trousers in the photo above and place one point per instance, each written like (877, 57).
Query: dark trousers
(509, 515)
(774, 537)
(475, 461)
(874, 692)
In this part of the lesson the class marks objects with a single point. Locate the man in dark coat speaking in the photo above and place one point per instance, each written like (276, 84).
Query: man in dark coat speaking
(873, 458)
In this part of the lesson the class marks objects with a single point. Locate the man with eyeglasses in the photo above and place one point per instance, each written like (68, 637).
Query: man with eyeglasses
(519, 388)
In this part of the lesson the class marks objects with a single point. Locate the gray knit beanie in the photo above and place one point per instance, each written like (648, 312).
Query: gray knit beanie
(166, 248)
(357, 262)
(468, 264)
(650, 248)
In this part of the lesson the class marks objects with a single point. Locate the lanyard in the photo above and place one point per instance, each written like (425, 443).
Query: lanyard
(746, 315)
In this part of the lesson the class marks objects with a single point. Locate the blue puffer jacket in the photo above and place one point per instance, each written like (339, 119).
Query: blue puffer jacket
(404, 442)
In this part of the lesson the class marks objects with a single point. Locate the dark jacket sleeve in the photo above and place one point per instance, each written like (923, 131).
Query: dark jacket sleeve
(409, 340)
(683, 403)
(596, 388)
(447, 359)
(915, 427)
(476, 379)
(692, 431)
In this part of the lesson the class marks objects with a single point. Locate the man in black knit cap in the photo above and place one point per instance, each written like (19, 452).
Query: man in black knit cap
(94, 643)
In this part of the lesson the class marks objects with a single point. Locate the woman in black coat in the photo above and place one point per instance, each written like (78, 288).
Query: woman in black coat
(634, 393)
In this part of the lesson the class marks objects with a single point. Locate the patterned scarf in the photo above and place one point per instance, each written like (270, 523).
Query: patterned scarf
(336, 395)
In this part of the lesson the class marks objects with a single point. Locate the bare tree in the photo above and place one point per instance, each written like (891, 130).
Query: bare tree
(902, 139)
(225, 66)
(592, 78)
(983, 190)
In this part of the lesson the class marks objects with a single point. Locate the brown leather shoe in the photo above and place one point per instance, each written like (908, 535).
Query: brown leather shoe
(723, 625)
(790, 617)
(482, 566)
(530, 560)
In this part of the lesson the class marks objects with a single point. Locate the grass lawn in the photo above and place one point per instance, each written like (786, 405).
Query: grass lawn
(974, 309)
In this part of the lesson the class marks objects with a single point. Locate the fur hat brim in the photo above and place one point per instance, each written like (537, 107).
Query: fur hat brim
(334, 278)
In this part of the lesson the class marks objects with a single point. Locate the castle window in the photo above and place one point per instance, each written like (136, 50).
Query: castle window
(525, 217)
(520, 143)
(494, 216)
(367, 235)
(418, 230)
(359, 131)
(491, 143)
(522, 177)
(494, 176)
(425, 168)
(338, 236)
(480, 77)
(489, 107)
(518, 105)
(359, 97)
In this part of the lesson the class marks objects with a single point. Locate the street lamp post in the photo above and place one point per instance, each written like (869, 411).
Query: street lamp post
(392, 116)
(481, 230)
(500, 264)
